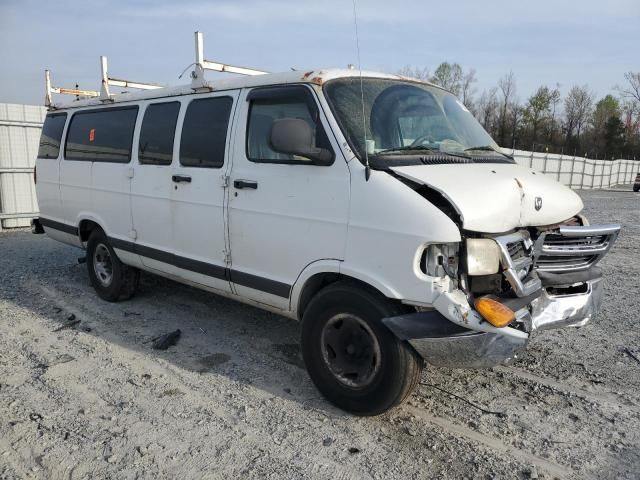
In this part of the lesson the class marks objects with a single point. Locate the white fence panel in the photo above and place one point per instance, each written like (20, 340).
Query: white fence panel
(20, 127)
(579, 172)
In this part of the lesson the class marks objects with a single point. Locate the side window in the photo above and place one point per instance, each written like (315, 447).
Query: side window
(51, 135)
(103, 135)
(274, 103)
(204, 132)
(156, 135)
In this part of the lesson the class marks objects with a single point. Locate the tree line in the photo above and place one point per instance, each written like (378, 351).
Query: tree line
(577, 123)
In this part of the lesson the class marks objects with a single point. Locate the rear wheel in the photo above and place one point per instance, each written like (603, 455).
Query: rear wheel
(112, 279)
(352, 358)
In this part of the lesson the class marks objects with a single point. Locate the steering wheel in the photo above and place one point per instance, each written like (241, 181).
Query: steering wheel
(421, 139)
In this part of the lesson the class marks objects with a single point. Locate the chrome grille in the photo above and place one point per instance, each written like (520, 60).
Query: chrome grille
(575, 248)
(516, 250)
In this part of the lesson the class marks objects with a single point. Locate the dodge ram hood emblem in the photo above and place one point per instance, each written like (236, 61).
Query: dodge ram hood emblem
(538, 203)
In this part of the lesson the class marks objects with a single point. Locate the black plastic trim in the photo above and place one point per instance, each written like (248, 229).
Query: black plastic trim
(63, 227)
(569, 278)
(431, 324)
(267, 285)
(216, 271)
(263, 284)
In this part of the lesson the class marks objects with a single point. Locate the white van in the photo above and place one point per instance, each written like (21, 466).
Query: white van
(401, 238)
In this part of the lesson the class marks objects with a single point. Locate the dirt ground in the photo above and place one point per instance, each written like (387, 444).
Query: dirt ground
(232, 399)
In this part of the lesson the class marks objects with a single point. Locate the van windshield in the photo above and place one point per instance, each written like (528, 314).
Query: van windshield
(406, 119)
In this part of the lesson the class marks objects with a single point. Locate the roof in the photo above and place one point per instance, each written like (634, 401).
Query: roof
(314, 77)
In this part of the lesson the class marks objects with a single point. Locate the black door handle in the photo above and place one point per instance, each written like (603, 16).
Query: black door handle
(245, 184)
(181, 178)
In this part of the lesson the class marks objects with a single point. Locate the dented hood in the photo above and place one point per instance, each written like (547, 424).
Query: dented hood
(496, 198)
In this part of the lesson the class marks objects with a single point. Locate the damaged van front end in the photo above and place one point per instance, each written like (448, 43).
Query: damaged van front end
(545, 278)
(498, 250)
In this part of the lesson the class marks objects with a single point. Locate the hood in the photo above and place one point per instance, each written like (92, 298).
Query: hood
(496, 198)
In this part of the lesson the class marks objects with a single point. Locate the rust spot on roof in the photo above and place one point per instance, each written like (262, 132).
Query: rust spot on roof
(307, 75)
(317, 80)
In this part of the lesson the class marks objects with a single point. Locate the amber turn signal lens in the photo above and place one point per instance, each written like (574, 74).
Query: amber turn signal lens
(494, 312)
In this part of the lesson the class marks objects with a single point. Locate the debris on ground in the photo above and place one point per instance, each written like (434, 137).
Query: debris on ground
(74, 321)
(167, 340)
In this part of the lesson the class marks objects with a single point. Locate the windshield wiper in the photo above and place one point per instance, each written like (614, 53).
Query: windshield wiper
(409, 147)
(435, 151)
(486, 148)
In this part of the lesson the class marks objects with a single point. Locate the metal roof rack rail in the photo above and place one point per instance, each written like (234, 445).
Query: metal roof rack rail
(197, 75)
(197, 78)
(104, 93)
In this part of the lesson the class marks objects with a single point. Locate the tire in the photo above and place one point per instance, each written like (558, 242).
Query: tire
(635, 189)
(112, 279)
(351, 357)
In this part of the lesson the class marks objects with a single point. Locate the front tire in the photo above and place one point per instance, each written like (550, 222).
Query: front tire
(351, 357)
(111, 279)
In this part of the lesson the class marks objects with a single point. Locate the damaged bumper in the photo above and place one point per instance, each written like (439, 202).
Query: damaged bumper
(455, 335)
(443, 343)
(567, 305)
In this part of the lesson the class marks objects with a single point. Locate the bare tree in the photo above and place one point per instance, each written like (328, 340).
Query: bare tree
(631, 91)
(414, 72)
(448, 76)
(466, 87)
(488, 109)
(577, 109)
(507, 87)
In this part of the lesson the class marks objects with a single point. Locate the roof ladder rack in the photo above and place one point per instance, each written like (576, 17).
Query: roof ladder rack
(104, 93)
(197, 75)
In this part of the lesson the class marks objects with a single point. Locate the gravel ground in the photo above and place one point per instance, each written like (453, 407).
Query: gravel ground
(232, 398)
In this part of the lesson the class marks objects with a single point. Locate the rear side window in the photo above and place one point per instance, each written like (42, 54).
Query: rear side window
(51, 135)
(103, 135)
(156, 135)
(204, 132)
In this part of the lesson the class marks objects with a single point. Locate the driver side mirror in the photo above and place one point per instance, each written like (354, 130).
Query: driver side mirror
(294, 136)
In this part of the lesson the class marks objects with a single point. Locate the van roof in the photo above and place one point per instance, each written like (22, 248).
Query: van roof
(315, 77)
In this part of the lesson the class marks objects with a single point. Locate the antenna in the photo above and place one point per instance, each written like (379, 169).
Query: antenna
(367, 168)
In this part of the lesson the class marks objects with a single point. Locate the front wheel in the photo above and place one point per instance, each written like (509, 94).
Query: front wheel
(112, 279)
(351, 357)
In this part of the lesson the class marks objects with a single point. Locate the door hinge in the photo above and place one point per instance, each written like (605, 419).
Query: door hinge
(225, 181)
(130, 172)
(227, 257)
(133, 234)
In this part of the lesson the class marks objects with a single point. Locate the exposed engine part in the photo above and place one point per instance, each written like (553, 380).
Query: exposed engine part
(439, 260)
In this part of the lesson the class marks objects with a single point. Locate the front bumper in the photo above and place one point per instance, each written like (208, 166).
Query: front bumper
(552, 310)
(454, 335)
(443, 343)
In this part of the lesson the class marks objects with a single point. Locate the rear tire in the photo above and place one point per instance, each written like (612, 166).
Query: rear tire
(351, 357)
(112, 279)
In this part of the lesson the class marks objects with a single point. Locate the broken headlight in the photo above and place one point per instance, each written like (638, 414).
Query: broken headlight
(439, 260)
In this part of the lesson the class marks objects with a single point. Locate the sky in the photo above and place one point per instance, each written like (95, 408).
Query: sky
(546, 42)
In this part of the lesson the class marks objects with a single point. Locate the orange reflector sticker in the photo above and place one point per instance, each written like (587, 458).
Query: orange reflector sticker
(494, 312)
(92, 134)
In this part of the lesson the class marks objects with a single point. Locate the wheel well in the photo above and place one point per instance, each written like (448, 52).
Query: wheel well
(85, 229)
(319, 281)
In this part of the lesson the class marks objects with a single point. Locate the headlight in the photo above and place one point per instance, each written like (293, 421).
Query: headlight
(483, 256)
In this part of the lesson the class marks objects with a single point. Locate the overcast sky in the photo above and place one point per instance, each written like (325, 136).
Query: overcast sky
(544, 42)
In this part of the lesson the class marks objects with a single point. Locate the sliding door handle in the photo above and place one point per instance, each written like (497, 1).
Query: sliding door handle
(181, 178)
(245, 184)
